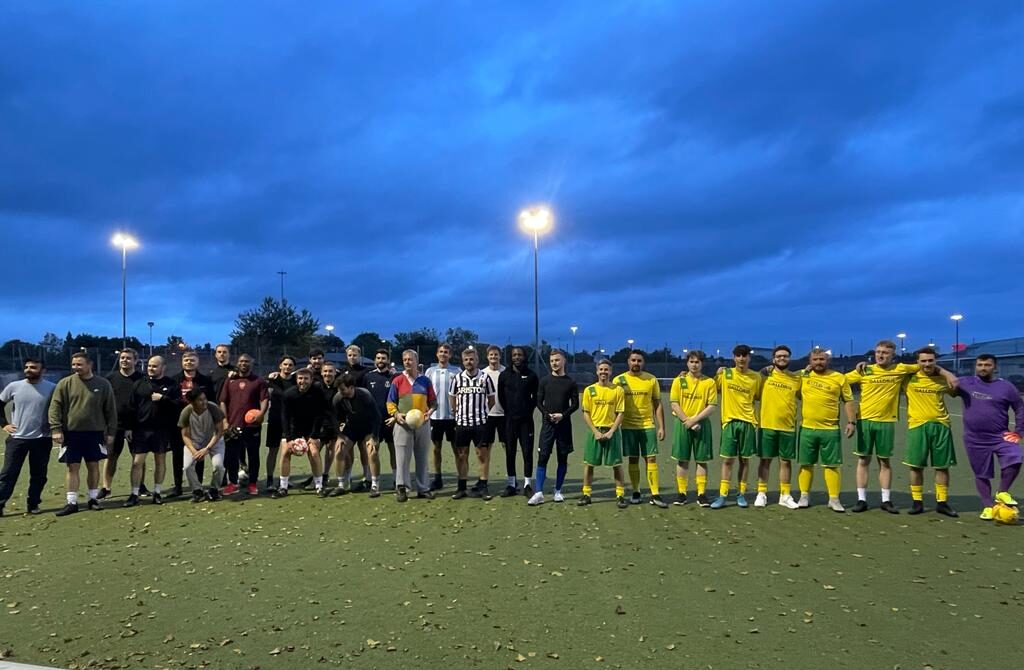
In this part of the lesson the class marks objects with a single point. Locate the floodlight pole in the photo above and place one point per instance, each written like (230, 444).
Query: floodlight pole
(536, 302)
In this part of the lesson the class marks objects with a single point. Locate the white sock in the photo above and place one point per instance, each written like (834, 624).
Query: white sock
(862, 494)
(93, 493)
(157, 487)
(886, 493)
(72, 497)
(319, 483)
(527, 482)
(341, 481)
(283, 482)
(375, 482)
(135, 490)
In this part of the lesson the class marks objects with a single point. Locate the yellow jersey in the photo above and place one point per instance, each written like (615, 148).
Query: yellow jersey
(738, 392)
(925, 399)
(642, 392)
(822, 394)
(880, 390)
(602, 403)
(778, 400)
(693, 394)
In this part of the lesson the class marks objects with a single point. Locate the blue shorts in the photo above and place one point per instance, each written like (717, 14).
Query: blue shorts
(88, 446)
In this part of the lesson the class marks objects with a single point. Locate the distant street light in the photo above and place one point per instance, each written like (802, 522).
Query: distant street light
(956, 341)
(902, 337)
(573, 329)
(125, 242)
(330, 333)
(536, 220)
(630, 343)
(150, 324)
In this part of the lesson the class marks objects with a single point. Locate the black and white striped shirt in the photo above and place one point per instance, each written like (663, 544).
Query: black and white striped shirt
(471, 394)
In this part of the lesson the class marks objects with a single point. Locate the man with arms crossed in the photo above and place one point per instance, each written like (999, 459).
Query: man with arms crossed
(603, 406)
(304, 411)
(155, 406)
(517, 393)
(929, 438)
(557, 398)
(472, 394)
(28, 434)
(693, 398)
(822, 391)
(83, 420)
(202, 428)
(779, 391)
(639, 437)
(879, 401)
(739, 388)
(442, 421)
(122, 380)
(987, 404)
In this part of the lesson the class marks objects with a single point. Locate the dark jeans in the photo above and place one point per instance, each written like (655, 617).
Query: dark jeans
(16, 450)
(519, 431)
(248, 442)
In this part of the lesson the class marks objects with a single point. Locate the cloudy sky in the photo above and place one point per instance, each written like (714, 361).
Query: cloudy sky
(763, 172)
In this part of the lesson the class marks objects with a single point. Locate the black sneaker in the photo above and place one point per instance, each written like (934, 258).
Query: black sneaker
(279, 493)
(1, 511)
(402, 495)
(374, 492)
(680, 500)
(175, 492)
(459, 495)
(198, 496)
(943, 508)
(621, 503)
(34, 510)
(103, 494)
(70, 508)
(861, 506)
(584, 501)
(307, 485)
(337, 491)
(702, 500)
(887, 506)
(323, 492)
(474, 492)
(269, 486)
(426, 495)
(437, 484)
(658, 502)
(143, 491)
(94, 505)
(213, 494)
(157, 499)
(635, 498)
(364, 485)
(131, 501)
(528, 491)
(917, 507)
(485, 494)
(508, 492)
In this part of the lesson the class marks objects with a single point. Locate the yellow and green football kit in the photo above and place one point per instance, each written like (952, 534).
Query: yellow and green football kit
(603, 403)
(738, 392)
(929, 438)
(693, 395)
(777, 436)
(879, 404)
(639, 438)
(820, 439)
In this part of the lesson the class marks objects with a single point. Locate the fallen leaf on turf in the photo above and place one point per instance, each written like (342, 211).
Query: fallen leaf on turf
(520, 658)
(372, 644)
(828, 587)
(552, 655)
(275, 651)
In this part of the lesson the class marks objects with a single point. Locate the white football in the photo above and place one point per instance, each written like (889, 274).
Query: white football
(414, 418)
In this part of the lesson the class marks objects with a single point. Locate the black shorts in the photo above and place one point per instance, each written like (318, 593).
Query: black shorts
(495, 427)
(274, 436)
(357, 432)
(464, 435)
(387, 432)
(82, 445)
(442, 429)
(555, 435)
(149, 442)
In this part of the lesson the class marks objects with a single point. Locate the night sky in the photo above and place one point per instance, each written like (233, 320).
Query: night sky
(723, 171)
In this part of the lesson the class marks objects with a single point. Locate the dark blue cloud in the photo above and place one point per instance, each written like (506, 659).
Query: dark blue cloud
(720, 172)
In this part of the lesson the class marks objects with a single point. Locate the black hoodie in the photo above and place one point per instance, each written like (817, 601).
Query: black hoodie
(517, 392)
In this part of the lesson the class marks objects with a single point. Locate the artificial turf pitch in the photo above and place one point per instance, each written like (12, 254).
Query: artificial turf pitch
(357, 582)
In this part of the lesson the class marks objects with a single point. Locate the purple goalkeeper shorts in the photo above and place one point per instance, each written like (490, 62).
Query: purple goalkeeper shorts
(981, 457)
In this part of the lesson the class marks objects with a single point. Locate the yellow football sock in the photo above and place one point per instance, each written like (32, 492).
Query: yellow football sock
(702, 484)
(743, 488)
(587, 490)
(723, 488)
(762, 487)
(805, 478)
(634, 475)
(620, 491)
(832, 482)
(652, 478)
(681, 483)
(785, 489)
(917, 492)
(941, 492)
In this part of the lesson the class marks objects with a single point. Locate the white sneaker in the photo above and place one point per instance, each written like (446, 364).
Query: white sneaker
(805, 501)
(536, 499)
(761, 500)
(558, 497)
(243, 477)
(836, 506)
(788, 502)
